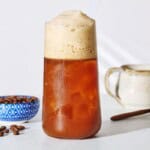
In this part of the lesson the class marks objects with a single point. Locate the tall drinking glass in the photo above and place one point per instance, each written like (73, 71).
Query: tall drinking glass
(71, 106)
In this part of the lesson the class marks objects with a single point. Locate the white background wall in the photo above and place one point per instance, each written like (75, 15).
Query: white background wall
(123, 30)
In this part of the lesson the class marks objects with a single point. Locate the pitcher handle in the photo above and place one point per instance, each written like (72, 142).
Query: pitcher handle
(107, 83)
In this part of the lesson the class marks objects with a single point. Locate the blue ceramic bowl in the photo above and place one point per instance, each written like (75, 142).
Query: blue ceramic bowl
(19, 112)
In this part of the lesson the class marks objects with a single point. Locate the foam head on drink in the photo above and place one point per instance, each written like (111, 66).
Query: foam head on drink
(71, 95)
(71, 35)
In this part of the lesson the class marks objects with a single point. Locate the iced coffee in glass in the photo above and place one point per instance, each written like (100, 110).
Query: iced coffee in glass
(71, 106)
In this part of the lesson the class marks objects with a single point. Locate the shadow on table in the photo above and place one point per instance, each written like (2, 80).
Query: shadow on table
(110, 128)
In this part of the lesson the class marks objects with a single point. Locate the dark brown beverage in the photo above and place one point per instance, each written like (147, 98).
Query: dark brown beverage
(71, 98)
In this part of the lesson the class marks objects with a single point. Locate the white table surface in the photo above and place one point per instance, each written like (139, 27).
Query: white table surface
(130, 134)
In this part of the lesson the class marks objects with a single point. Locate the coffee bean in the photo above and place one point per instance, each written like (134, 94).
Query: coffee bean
(16, 99)
(21, 127)
(13, 125)
(6, 130)
(14, 129)
(1, 100)
(6, 102)
(16, 132)
(1, 134)
(2, 128)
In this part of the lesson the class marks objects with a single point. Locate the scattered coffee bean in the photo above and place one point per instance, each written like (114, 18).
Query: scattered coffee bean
(17, 127)
(14, 128)
(6, 130)
(13, 125)
(16, 132)
(2, 128)
(21, 127)
(1, 133)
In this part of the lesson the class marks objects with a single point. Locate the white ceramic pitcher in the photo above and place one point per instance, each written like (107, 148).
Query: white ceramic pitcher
(133, 86)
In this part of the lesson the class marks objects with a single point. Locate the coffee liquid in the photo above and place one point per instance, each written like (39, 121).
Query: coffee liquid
(71, 99)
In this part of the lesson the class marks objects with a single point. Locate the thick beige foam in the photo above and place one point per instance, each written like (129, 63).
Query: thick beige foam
(71, 35)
